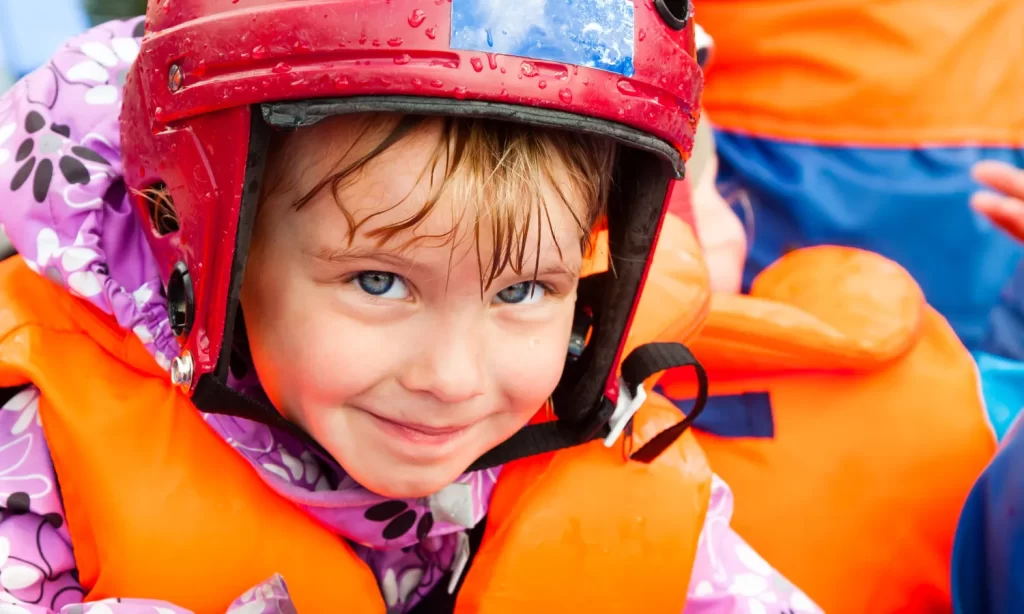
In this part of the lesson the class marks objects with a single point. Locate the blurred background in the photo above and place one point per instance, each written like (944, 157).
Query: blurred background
(31, 30)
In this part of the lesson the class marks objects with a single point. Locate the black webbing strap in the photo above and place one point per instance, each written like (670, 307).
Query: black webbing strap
(532, 440)
(212, 396)
(641, 363)
(652, 358)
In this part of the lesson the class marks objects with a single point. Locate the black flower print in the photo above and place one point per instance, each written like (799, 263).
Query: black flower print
(27, 572)
(17, 503)
(40, 143)
(400, 519)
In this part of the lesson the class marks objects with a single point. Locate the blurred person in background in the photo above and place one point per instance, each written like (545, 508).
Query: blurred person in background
(821, 376)
(857, 123)
(986, 557)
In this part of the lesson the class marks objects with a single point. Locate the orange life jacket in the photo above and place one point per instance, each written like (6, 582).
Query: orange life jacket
(158, 506)
(879, 428)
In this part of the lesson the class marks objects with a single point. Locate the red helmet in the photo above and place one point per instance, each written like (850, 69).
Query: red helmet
(214, 78)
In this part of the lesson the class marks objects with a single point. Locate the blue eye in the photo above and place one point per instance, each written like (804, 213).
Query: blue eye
(382, 285)
(525, 292)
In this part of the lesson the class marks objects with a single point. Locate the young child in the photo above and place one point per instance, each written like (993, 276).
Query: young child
(363, 295)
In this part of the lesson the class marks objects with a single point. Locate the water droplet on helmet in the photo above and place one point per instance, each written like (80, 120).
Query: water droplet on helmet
(282, 67)
(478, 65)
(460, 92)
(395, 42)
(259, 52)
(404, 58)
(542, 84)
(565, 95)
(431, 33)
(417, 18)
(626, 87)
(492, 61)
(642, 34)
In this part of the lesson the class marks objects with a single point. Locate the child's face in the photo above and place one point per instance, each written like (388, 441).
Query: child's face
(394, 359)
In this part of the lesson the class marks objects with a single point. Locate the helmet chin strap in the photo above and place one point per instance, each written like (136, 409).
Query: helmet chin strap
(608, 420)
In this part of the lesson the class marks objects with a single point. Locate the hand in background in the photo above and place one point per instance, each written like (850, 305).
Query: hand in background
(1004, 204)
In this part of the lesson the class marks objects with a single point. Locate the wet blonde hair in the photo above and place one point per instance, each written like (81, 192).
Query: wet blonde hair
(501, 167)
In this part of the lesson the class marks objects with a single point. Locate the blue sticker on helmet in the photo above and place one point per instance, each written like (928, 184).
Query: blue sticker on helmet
(594, 33)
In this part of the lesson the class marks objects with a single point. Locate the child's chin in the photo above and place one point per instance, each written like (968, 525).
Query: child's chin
(410, 482)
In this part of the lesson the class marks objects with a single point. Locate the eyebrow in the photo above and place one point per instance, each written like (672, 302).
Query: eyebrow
(343, 255)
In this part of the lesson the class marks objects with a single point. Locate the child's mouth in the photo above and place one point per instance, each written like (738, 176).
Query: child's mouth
(419, 433)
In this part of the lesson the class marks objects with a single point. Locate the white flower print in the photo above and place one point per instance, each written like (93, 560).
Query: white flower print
(96, 69)
(15, 575)
(72, 259)
(763, 585)
(396, 591)
(6, 130)
(295, 470)
(26, 405)
(312, 473)
(142, 295)
(12, 456)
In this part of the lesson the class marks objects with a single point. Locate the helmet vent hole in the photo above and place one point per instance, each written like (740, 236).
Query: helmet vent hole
(674, 13)
(181, 300)
(163, 216)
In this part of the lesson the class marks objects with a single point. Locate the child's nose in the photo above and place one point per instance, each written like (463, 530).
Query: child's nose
(448, 365)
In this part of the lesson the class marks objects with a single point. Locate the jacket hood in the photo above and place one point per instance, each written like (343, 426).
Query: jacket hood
(66, 209)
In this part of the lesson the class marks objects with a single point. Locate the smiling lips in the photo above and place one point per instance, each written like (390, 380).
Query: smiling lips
(420, 433)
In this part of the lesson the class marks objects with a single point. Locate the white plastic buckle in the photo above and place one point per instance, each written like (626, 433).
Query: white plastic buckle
(625, 408)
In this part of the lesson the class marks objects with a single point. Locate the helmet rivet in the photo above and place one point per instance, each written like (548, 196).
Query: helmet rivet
(182, 370)
(175, 78)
